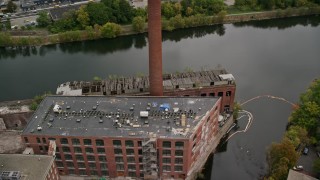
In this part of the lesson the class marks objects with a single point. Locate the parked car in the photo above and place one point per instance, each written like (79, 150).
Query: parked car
(305, 151)
(298, 168)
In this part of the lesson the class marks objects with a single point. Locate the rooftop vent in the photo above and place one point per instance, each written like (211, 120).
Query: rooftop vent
(144, 113)
(39, 128)
(100, 121)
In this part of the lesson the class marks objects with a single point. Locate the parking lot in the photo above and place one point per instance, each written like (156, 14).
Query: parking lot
(23, 21)
(307, 161)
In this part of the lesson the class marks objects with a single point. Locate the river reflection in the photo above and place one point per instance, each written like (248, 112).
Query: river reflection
(105, 46)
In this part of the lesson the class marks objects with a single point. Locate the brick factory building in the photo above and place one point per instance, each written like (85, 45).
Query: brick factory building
(149, 137)
(25, 167)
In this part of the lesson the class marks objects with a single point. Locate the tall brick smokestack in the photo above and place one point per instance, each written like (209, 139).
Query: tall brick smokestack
(155, 47)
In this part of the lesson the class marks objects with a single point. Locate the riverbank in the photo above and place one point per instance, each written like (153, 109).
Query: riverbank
(7, 40)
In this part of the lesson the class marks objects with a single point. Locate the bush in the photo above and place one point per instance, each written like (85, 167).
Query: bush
(138, 24)
(110, 30)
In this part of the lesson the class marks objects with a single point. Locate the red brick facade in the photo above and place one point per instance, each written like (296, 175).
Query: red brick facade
(123, 156)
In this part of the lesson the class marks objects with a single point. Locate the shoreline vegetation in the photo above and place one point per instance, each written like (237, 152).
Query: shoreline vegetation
(85, 26)
(303, 130)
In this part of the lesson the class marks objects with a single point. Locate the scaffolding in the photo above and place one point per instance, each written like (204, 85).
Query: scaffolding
(149, 159)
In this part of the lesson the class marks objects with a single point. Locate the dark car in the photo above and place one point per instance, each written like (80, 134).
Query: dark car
(305, 151)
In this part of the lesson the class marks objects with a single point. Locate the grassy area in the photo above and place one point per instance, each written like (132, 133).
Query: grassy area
(235, 10)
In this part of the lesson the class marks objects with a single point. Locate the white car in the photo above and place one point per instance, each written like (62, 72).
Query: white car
(298, 168)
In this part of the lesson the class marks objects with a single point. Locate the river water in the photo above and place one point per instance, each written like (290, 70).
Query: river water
(276, 57)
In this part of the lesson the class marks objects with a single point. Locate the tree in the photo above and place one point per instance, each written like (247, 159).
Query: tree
(43, 19)
(138, 24)
(110, 30)
(83, 17)
(98, 13)
(11, 7)
(280, 170)
(284, 149)
(167, 10)
(297, 135)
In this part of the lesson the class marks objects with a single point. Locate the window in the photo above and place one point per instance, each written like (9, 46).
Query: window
(177, 168)
(99, 142)
(179, 145)
(81, 165)
(131, 167)
(103, 166)
(87, 142)
(26, 140)
(212, 94)
(82, 172)
(64, 141)
(130, 152)
(116, 143)
(89, 150)
(228, 93)
(79, 158)
(226, 108)
(94, 173)
(178, 161)
(71, 172)
(212, 83)
(59, 164)
(101, 150)
(102, 159)
(77, 150)
(66, 149)
(46, 148)
(131, 160)
(220, 94)
(118, 151)
(75, 141)
(119, 159)
(203, 94)
(105, 173)
(140, 159)
(166, 168)
(139, 143)
(38, 140)
(91, 158)
(68, 157)
(92, 166)
(166, 144)
(120, 167)
(70, 164)
(58, 157)
(140, 151)
(166, 153)
(179, 153)
(132, 174)
(44, 140)
(166, 160)
(129, 143)
(40, 147)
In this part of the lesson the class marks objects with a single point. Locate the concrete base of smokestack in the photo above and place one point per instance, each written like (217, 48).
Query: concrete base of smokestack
(155, 47)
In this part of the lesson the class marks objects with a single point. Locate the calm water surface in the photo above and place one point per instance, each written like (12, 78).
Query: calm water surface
(277, 57)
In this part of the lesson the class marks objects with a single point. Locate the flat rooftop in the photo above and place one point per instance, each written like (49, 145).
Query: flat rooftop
(33, 167)
(119, 116)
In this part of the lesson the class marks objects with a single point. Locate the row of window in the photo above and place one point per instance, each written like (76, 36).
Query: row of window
(102, 159)
(167, 144)
(220, 94)
(119, 167)
(167, 152)
(176, 161)
(92, 172)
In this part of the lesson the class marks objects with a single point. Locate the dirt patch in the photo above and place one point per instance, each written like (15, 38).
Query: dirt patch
(10, 142)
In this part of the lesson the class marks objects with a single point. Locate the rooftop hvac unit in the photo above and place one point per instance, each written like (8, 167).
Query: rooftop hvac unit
(144, 113)
(57, 108)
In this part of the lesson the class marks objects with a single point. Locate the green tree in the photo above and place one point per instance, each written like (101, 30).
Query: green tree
(221, 15)
(167, 10)
(110, 30)
(140, 12)
(98, 13)
(43, 19)
(11, 7)
(83, 17)
(297, 135)
(138, 24)
(177, 22)
(280, 171)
